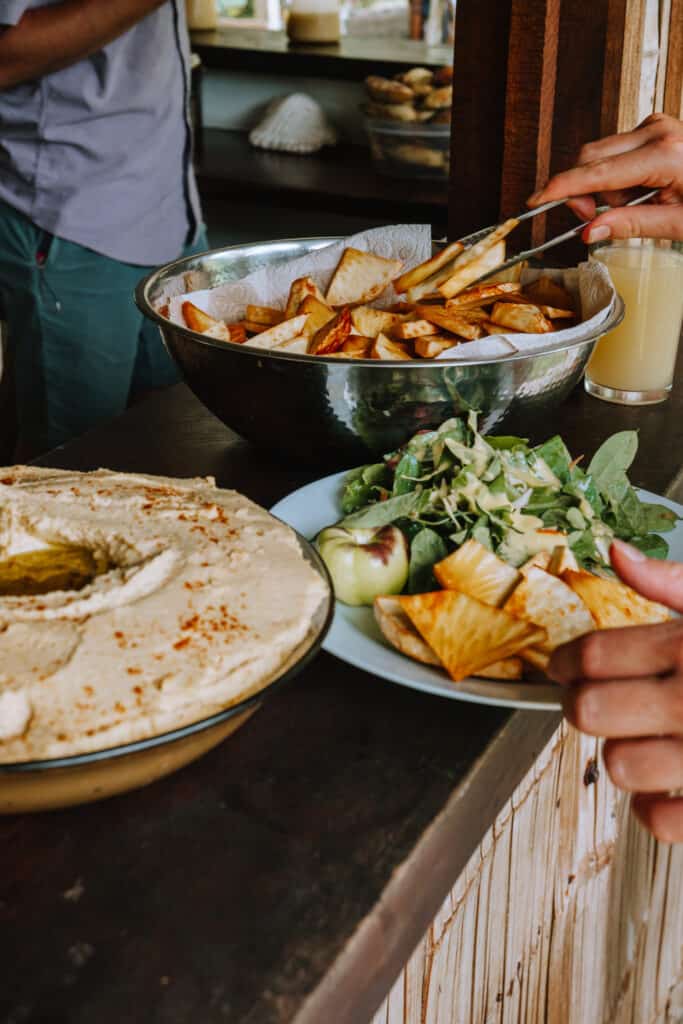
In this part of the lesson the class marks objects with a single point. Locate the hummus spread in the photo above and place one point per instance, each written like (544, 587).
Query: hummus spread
(197, 598)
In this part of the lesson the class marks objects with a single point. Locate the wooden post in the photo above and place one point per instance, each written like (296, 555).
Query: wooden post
(673, 85)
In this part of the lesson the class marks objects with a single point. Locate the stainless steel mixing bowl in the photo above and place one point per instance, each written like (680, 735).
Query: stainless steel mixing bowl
(337, 412)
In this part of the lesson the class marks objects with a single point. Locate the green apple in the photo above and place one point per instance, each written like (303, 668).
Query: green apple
(364, 563)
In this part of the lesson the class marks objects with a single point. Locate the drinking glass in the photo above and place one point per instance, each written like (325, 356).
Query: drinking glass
(634, 363)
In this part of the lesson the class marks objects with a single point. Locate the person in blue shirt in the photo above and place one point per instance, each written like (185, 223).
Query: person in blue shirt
(96, 187)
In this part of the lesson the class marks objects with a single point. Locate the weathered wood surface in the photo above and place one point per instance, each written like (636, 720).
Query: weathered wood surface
(568, 913)
(673, 83)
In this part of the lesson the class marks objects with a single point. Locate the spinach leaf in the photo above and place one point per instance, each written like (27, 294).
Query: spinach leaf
(482, 533)
(506, 442)
(612, 459)
(426, 549)
(582, 544)
(651, 545)
(657, 518)
(404, 475)
(556, 456)
(385, 512)
(359, 485)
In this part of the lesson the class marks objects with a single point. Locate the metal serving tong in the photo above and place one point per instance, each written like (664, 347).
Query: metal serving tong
(477, 236)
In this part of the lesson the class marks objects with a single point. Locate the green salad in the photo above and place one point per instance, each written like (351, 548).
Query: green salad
(448, 485)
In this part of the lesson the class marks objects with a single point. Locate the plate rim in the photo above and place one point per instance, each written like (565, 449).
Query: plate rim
(331, 479)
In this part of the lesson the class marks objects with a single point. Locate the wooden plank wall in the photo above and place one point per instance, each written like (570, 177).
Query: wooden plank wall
(568, 913)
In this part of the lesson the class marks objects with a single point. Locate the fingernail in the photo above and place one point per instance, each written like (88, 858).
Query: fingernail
(628, 551)
(599, 234)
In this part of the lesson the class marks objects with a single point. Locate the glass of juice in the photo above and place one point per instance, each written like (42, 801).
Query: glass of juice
(634, 364)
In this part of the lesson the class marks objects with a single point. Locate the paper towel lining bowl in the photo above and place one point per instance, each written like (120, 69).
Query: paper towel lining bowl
(337, 413)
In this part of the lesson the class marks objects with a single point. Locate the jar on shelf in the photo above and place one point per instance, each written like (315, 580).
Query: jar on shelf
(314, 21)
(202, 14)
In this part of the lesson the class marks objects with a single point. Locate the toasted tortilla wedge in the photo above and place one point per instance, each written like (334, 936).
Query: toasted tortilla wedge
(414, 329)
(332, 336)
(400, 631)
(509, 668)
(299, 290)
(360, 277)
(430, 267)
(467, 273)
(483, 294)
(430, 348)
(451, 322)
(319, 314)
(546, 292)
(521, 317)
(197, 320)
(613, 604)
(385, 348)
(370, 322)
(547, 601)
(279, 334)
(265, 315)
(476, 571)
(466, 634)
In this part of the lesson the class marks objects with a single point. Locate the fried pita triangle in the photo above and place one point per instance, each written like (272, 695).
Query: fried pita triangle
(613, 604)
(359, 277)
(476, 571)
(548, 602)
(466, 634)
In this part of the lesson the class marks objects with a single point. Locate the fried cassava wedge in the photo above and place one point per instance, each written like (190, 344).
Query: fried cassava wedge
(264, 315)
(360, 277)
(467, 273)
(332, 336)
(418, 274)
(522, 317)
(299, 290)
(466, 634)
(400, 631)
(319, 314)
(197, 320)
(548, 602)
(385, 348)
(613, 604)
(279, 334)
(476, 571)
(370, 322)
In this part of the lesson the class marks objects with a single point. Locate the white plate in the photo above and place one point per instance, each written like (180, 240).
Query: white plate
(355, 636)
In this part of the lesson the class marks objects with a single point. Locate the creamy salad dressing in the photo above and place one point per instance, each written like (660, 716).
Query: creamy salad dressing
(206, 599)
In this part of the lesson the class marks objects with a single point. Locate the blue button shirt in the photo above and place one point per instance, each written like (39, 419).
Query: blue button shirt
(99, 153)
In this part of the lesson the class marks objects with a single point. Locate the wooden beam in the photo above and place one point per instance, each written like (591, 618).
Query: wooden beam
(673, 86)
(532, 64)
(622, 65)
(477, 138)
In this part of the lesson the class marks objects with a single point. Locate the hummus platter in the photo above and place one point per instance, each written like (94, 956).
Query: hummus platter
(132, 606)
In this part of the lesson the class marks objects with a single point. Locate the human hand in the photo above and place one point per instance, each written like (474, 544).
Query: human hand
(650, 156)
(627, 685)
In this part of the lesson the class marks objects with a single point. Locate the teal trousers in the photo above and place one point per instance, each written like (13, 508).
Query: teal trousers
(80, 348)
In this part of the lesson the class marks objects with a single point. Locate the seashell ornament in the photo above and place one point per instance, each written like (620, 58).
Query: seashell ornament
(293, 124)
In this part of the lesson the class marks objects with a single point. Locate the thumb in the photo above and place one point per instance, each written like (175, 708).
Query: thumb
(658, 581)
(651, 220)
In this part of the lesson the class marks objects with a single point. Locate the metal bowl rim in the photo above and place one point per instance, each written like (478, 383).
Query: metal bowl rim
(314, 645)
(146, 308)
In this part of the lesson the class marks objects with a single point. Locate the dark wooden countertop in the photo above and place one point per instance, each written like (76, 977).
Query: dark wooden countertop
(246, 887)
(355, 57)
(341, 178)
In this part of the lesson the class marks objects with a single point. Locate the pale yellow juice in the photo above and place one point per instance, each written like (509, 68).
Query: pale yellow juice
(640, 354)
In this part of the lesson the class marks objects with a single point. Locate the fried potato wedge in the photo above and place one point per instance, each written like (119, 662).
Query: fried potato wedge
(279, 334)
(400, 631)
(265, 315)
(450, 322)
(509, 668)
(431, 347)
(547, 601)
(467, 273)
(484, 294)
(613, 604)
(425, 270)
(357, 346)
(370, 322)
(319, 314)
(544, 291)
(196, 319)
(360, 277)
(476, 571)
(466, 634)
(414, 329)
(476, 253)
(520, 317)
(385, 348)
(332, 336)
(298, 291)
